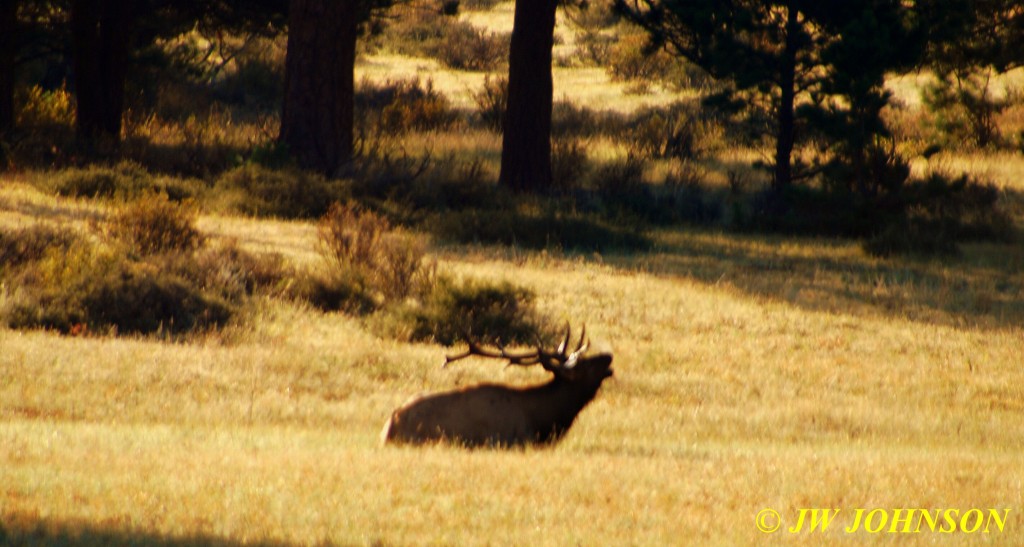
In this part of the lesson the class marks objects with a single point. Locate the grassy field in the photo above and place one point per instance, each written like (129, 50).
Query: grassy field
(751, 373)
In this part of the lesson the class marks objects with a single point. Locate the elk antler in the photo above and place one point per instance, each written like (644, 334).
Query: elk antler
(551, 361)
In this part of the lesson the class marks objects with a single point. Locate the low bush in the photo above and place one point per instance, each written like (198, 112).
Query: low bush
(124, 180)
(915, 216)
(620, 188)
(233, 273)
(905, 236)
(58, 279)
(684, 195)
(21, 246)
(620, 192)
(135, 298)
(153, 225)
(418, 186)
(465, 47)
(488, 312)
(95, 289)
(399, 106)
(595, 35)
(367, 259)
(336, 291)
(256, 83)
(423, 30)
(252, 189)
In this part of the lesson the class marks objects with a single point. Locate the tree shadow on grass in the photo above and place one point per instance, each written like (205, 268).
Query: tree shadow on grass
(541, 230)
(26, 530)
(982, 288)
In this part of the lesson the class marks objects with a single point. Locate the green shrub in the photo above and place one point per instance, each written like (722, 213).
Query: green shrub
(33, 243)
(337, 291)
(57, 279)
(286, 193)
(135, 299)
(490, 313)
(272, 154)
(153, 225)
(124, 180)
(93, 289)
(621, 187)
(965, 108)
(592, 22)
(681, 130)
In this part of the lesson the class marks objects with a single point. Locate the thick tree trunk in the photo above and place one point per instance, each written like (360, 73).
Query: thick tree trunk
(100, 32)
(526, 145)
(319, 93)
(786, 136)
(8, 46)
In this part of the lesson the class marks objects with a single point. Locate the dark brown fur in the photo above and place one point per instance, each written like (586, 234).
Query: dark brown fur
(498, 415)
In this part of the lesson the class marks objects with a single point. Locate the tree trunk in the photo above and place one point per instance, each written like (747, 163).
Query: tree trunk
(786, 136)
(8, 46)
(319, 92)
(100, 32)
(526, 144)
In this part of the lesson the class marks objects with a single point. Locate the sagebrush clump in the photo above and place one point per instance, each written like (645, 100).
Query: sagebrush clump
(488, 312)
(253, 189)
(153, 224)
(147, 271)
(367, 262)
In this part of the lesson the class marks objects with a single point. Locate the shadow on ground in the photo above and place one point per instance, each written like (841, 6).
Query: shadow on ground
(982, 288)
(21, 530)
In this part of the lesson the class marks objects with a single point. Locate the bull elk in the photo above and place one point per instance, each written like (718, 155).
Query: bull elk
(500, 415)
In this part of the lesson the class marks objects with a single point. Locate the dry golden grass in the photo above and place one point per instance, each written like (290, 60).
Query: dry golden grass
(751, 373)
